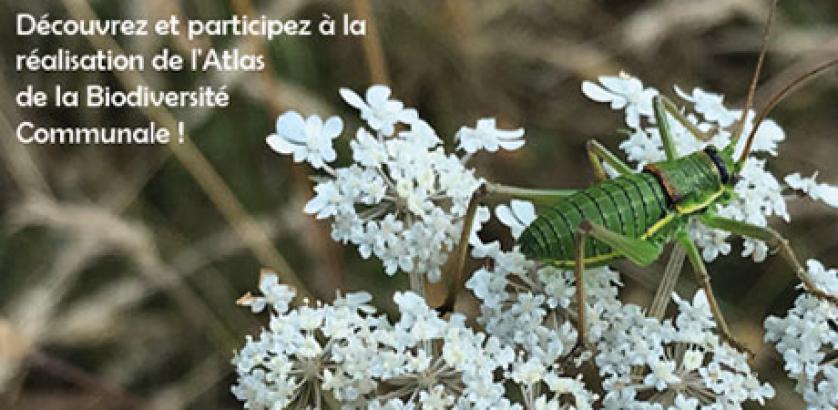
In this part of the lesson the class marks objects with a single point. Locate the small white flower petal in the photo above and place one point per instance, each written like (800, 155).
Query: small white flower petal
(291, 125)
(595, 92)
(333, 127)
(279, 144)
(352, 98)
(378, 94)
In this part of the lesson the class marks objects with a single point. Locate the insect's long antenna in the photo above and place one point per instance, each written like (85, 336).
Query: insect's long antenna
(779, 97)
(753, 87)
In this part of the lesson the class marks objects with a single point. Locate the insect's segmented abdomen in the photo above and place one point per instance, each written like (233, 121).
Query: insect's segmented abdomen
(629, 205)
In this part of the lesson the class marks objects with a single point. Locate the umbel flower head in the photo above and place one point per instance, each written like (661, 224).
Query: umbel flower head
(403, 198)
(346, 352)
(808, 340)
(648, 363)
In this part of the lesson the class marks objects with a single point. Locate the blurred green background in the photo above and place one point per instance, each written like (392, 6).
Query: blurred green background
(119, 266)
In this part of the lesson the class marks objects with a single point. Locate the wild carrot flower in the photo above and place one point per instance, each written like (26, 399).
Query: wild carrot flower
(403, 198)
(807, 338)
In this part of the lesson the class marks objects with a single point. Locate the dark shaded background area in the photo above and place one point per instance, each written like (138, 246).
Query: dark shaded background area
(119, 266)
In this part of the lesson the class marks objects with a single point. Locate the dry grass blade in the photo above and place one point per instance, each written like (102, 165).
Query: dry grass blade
(373, 50)
(81, 378)
(92, 232)
(194, 161)
(645, 29)
(318, 237)
(182, 393)
(21, 163)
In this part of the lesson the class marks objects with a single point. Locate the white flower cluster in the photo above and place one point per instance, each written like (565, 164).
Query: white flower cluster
(808, 340)
(650, 364)
(532, 308)
(346, 353)
(403, 197)
(758, 192)
(817, 191)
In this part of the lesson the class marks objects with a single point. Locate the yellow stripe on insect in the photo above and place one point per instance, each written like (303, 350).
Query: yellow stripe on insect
(657, 226)
(699, 206)
(570, 263)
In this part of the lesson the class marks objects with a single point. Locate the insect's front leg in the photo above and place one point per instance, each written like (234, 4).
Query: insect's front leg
(597, 153)
(663, 129)
(776, 241)
(673, 110)
(638, 251)
(703, 278)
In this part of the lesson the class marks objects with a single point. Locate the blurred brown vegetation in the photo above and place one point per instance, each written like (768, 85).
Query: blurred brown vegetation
(119, 266)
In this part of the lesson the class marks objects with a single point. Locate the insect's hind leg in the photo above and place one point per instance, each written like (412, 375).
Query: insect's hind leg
(597, 154)
(581, 306)
(776, 241)
(638, 251)
(703, 278)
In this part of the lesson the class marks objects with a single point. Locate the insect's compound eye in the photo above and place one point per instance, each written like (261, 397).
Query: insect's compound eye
(724, 172)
